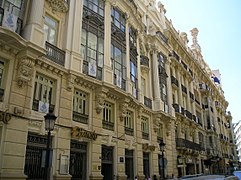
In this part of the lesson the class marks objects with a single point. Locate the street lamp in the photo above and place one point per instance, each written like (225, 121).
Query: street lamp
(49, 126)
(162, 145)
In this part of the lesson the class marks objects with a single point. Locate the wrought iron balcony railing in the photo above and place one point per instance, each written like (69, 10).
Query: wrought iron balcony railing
(55, 54)
(148, 102)
(78, 117)
(183, 143)
(144, 61)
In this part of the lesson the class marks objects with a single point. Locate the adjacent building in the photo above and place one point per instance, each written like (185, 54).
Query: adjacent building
(120, 79)
(237, 137)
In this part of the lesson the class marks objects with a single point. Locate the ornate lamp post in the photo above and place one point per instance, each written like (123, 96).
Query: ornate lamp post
(162, 145)
(49, 126)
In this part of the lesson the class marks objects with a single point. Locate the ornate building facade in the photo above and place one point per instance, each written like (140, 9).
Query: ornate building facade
(120, 79)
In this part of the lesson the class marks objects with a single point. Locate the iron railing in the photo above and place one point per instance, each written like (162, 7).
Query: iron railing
(183, 143)
(55, 54)
(148, 102)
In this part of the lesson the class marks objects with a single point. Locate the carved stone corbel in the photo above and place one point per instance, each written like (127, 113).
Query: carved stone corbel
(168, 127)
(156, 122)
(123, 108)
(100, 99)
(70, 82)
(25, 71)
(139, 111)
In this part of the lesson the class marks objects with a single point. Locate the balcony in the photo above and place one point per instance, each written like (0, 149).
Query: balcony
(145, 135)
(174, 54)
(78, 117)
(191, 95)
(19, 21)
(184, 64)
(108, 125)
(148, 102)
(129, 131)
(204, 88)
(184, 89)
(174, 81)
(188, 114)
(183, 143)
(55, 54)
(144, 61)
(198, 102)
(162, 36)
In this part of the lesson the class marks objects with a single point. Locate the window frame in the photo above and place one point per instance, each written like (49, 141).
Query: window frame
(83, 114)
(51, 27)
(38, 94)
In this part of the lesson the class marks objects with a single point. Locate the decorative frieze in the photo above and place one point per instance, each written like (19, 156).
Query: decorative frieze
(59, 5)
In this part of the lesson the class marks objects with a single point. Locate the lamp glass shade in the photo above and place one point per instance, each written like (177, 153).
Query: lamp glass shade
(49, 121)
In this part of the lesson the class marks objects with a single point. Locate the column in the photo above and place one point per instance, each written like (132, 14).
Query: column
(193, 103)
(138, 65)
(33, 30)
(169, 88)
(158, 104)
(74, 60)
(180, 102)
(189, 108)
(128, 80)
(107, 71)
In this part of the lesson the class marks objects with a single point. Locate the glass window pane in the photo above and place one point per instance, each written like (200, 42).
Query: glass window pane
(118, 55)
(92, 41)
(100, 60)
(101, 45)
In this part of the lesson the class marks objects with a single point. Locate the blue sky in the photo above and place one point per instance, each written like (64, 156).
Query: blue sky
(219, 25)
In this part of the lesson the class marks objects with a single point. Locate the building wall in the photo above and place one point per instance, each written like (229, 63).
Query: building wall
(102, 124)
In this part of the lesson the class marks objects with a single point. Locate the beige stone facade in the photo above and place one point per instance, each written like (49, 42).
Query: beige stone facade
(120, 80)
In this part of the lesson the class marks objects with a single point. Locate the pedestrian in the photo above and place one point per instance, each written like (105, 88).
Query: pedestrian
(136, 178)
(154, 177)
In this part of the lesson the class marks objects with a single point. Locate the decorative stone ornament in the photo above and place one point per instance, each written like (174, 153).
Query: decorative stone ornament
(5, 117)
(25, 71)
(123, 108)
(59, 5)
(100, 99)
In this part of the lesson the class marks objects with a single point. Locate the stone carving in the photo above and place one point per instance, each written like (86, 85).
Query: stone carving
(5, 117)
(139, 112)
(184, 38)
(59, 5)
(156, 122)
(123, 108)
(25, 71)
(70, 82)
(100, 99)
(195, 45)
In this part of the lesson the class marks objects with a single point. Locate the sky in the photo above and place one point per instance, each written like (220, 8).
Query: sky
(219, 25)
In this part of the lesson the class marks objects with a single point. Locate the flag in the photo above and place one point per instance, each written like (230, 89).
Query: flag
(9, 21)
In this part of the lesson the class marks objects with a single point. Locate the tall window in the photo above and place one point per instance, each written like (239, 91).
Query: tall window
(129, 123)
(118, 18)
(43, 98)
(16, 7)
(118, 47)
(118, 58)
(92, 38)
(95, 5)
(50, 29)
(145, 127)
(80, 107)
(133, 61)
(108, 116)
(160, 132)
